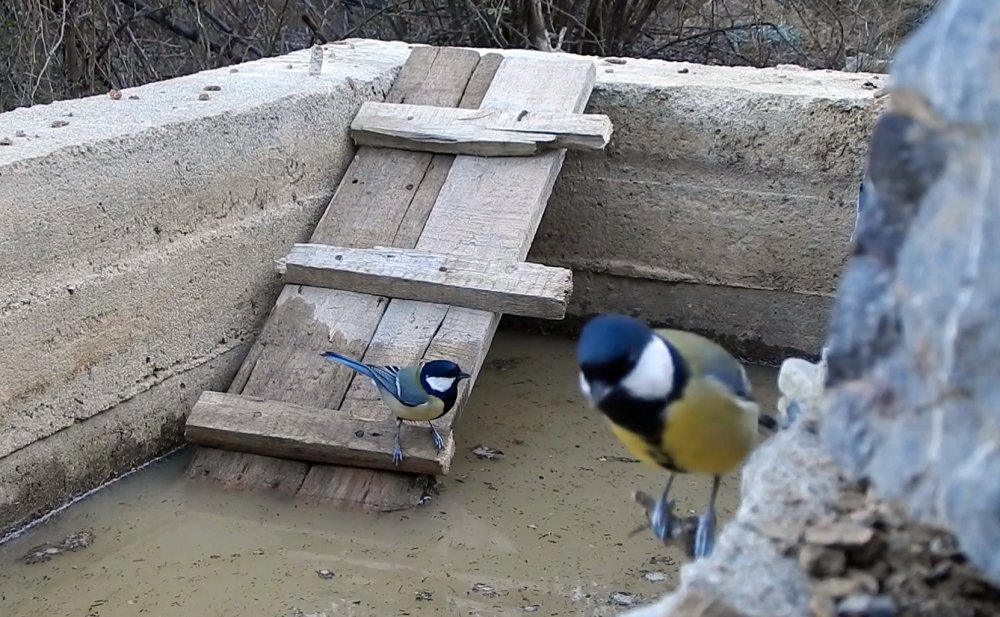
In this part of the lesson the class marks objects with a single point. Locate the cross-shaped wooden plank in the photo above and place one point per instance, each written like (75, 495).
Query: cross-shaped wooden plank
(486, 208)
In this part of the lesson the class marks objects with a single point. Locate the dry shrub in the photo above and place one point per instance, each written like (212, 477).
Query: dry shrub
(53, 49)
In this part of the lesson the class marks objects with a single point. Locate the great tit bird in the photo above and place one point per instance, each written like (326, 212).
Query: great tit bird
(675, 400)
(417, 393)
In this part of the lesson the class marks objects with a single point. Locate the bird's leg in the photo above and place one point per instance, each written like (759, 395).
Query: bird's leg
(705, 536)
(397, 451)
(438, 442)
(661, 520)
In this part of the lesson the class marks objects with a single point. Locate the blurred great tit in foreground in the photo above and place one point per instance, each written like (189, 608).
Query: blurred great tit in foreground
(417, 393)
(675, 400)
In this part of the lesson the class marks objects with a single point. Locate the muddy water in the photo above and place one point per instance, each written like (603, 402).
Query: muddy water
(541, 531)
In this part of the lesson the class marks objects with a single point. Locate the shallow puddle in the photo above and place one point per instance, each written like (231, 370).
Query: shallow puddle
(542, 530)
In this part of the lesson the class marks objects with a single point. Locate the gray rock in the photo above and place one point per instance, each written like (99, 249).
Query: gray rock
(914, 370)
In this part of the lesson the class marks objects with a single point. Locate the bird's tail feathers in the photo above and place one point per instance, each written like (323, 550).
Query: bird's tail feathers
(348, 362)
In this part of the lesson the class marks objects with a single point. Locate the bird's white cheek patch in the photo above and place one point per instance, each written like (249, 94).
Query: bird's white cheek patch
(440, 384)
(653, 375)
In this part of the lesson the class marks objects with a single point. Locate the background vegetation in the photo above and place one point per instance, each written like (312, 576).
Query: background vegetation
(55, 49)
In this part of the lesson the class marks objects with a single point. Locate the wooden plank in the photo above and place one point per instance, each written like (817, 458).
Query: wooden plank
(495, 206)
(519, 288)
(247, 471)
(384, 198)
(477, 132)
(273, 428)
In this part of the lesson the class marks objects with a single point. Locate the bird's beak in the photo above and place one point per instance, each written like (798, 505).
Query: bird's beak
(598, 390)
(464, 376)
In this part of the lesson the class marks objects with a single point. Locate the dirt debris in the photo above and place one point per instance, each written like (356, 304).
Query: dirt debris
(871, 560)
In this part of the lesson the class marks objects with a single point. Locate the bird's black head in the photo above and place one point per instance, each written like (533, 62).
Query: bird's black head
(441, 378)
(625, 367)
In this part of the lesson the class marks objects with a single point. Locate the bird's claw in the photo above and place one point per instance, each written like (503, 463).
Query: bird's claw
(672, 528)
(704, 538)
(397, 454)
(436, 437)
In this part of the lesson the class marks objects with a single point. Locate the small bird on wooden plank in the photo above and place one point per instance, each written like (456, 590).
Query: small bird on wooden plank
(675, 400)
(418, 393)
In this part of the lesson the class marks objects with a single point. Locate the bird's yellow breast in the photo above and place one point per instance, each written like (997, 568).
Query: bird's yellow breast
(707, 431)
(431, 410)
(636, 445)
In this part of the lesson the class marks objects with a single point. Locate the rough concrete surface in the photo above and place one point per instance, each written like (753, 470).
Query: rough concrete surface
(57, 468)
(730, 180)
(139, 232)
(137, 245)
(914, 391)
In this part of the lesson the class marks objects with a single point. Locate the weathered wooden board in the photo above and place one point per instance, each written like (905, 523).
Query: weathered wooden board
(486, 208)
(477, 132)
(384, 198)
(517, 288)
(273, 428)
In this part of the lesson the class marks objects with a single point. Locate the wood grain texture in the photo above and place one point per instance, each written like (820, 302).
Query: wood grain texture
(384, 198)
(408, 330)
(477, 132)
(518, 288)
(273, 428)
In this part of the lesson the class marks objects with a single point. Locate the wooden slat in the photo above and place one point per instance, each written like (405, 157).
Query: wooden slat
(488, 208)
(525, 289)
(273, 428)
(243, 471)
(477, 132)
(502, 207)
(384, 198)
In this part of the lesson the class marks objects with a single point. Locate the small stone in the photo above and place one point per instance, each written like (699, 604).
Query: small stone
(938, 573)
(6, 141)
(59, 123)
(490, 454)
(325, 574)
(531, 608)
(840, 533)
(615, 60)
(203, 96)
(822, 561)
(20, 134)
(609, 70)
(133, 97)
(257, 551)
(822, 606)
(622, 598)
(424, 595)
(855, 582)
(115, 94)
(485, 590)
(234, 70)
(683, 71)
(867, 606)
(212, 88)
(655, 577)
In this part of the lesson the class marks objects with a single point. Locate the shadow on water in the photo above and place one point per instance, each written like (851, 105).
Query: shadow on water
(542, 530)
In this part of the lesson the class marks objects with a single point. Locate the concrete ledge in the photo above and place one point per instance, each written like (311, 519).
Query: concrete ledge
(138, 238)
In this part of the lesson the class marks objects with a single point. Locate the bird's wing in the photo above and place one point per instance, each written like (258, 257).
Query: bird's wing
(706, 358)
(404, 383)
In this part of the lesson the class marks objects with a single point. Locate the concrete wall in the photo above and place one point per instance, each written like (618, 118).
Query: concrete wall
(138, 236)
(725, 202)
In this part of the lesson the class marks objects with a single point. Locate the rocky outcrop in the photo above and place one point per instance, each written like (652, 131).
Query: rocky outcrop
(882, 497)
(914, 368)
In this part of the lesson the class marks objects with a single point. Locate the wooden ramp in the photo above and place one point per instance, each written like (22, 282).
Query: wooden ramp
(417, 255)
